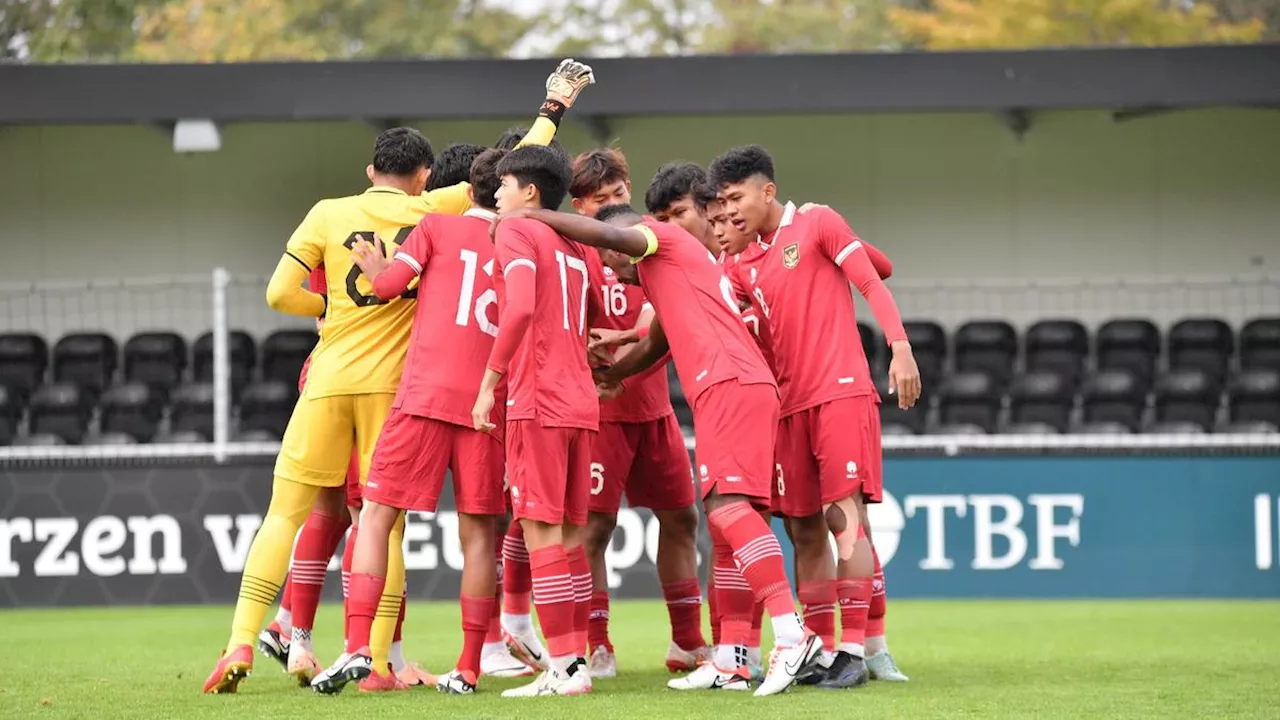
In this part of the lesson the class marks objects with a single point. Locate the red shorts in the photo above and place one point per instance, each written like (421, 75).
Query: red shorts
(647, 460)
(828, 453)
(412, 455)
(735, 427)
(548, 472)
(354, 490)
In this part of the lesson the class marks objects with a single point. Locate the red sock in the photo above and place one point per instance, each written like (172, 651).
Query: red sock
(598, 621)
(399, 634)
(494, 632)
(316, 544)
(757, 621)
(684, 607)
(582, 596)
(286, 595)
(348, 552)
(759, 557)
(875, 614)
(362, 604)
(713, 607)
(476, 612)
(735, 598)
(553, 594)
(855, 601)
(517, 581)
(818, 600)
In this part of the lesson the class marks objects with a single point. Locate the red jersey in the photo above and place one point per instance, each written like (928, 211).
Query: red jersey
(456, 318)
(647, 398)
(759, 330)
(799, 282)
(543, 294)
(698, 311)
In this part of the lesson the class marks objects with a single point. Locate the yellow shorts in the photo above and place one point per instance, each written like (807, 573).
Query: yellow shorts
(317, 445)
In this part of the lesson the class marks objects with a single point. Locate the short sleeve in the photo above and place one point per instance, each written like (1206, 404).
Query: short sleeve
(836, 239)
(514, 247)
(416, 250)
(452, 200)
(306, 245)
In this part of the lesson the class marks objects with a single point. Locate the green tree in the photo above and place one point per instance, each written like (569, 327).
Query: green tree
(69, 30)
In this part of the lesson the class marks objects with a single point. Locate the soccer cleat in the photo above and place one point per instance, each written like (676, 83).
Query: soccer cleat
(457, 682)
(786, 663)
(817, 673)
(349, 667)
(709, 677)
(502, 664)
(846, 671)
(681, 660)
(274, 643)
(302, 665)
(603, 663)
(526, 648)
(755, 663)
(882, 667)
(382, 682)
(572, 681)
(232, 667)
(412, 675)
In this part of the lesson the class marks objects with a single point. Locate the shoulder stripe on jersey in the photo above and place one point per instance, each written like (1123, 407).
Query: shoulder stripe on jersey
(518, 262)
(407, 260)
(295, 257)
(847, 251)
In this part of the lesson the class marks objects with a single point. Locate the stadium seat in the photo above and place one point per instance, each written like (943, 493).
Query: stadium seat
(262, 435)
(185, 437)
(62, 409)
(157, 359)
(114, 438)
(132, 409)
(929, 345)
(1248, 428)
(193, 409)
(1188, 395)
(911, 421)
(1254, 396)
(241, 350)
(10, 415)
(1203, 343)
(23, 359)
(1041, 396)
(871, 344)
(1058, 345)
(894, 429)
(267, 405)
(1175, 427)
(957, 429)
(1102, 427)
(1031, 428)
(41, 440)
(1114, 396)
(284, 352)
(990, 346)
(969, 397)
(1131, 345)
(87, 360)
(1260, 343)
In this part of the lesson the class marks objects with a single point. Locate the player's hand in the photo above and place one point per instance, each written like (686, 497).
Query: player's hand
(480, 412)
(369, 258)
(569, 78)
(904, 376)
(608, 391)
(520, 212)
(810, 206)
(607, 339)
(599, 357)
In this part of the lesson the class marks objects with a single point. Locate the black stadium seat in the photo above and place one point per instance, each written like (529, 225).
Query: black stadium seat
(990, 346)
(186, 437)
(23, 359)
(241, 350)
(62, 409)
(157, 359)
(87, 360)
(1131, 345)
(253, 436)
(929, 346)
(284, 352)
(903, 422)
(132, 409)
(1041, 396)
(267, 405)
(1175, 427)
(1031, 428)
(1058, 345)
(969, 397)
(10, 415)
(115, 438)
(193, 409)
(1114, 396)
(41, 440)
(1254, 396)
(1249, 428)
(1260, 343)
(958, 429)
(1101, 427)
(1203, 343)
(1188, 395)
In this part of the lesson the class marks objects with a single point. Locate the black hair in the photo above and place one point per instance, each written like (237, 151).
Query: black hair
(616, 210)
(401, 151)
(594, 169)
(512, 137)
(484, 178)
(676, 180)
(542, 167)
(453, 165)
(739, 164)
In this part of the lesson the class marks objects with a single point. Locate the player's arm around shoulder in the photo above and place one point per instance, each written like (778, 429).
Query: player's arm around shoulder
(636, 241)
(303, 254)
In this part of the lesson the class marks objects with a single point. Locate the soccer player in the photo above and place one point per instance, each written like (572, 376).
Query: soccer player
(639, 451)
(453, 165)
(735, 407)
(551, 412)
(356, 365)
(794, 274)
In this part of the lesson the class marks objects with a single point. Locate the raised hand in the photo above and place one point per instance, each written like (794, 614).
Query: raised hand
(568, 80)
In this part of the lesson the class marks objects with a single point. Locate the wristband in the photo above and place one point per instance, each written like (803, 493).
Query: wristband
(642, 332)
(552, 110)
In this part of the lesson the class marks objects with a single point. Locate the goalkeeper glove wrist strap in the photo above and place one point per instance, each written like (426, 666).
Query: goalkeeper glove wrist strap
(552, 110)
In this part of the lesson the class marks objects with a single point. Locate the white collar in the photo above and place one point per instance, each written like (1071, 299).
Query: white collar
(478, 212)
(788, 215)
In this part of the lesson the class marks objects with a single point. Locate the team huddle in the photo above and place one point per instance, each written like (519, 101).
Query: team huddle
(468, 326)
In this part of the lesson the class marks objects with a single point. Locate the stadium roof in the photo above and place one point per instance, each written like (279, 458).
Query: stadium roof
(1131, 79)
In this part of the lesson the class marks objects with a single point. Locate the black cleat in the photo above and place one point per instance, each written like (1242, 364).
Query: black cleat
(274, 645)
(847, 671)
(348, 669)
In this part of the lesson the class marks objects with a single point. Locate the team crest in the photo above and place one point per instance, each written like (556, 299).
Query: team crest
(791, 256)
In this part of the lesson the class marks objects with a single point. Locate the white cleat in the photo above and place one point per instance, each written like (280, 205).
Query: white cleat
(526, 647)
(347, 668)
(681, 660)
(755, 664)
(709, 677)
(456, 682)
(274, 643)
(787, 663)
(573, 681)
(502, 664)
(603, 663)
(883, 667)
(302, 666)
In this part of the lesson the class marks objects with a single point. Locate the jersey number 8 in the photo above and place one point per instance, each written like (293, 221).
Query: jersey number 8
(353, 292)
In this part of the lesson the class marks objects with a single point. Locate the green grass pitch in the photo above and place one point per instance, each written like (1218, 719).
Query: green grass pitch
(988, 659)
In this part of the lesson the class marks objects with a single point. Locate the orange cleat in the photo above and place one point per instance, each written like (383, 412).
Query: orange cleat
(232, 667)
(382, 682)
(413, 675)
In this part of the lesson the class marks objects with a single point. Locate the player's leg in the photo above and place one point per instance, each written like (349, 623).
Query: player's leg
(880, 661)
(316, 544)
(495, 659)
(348, 554)
(612, 455)
(577, 498)
(274, 640)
